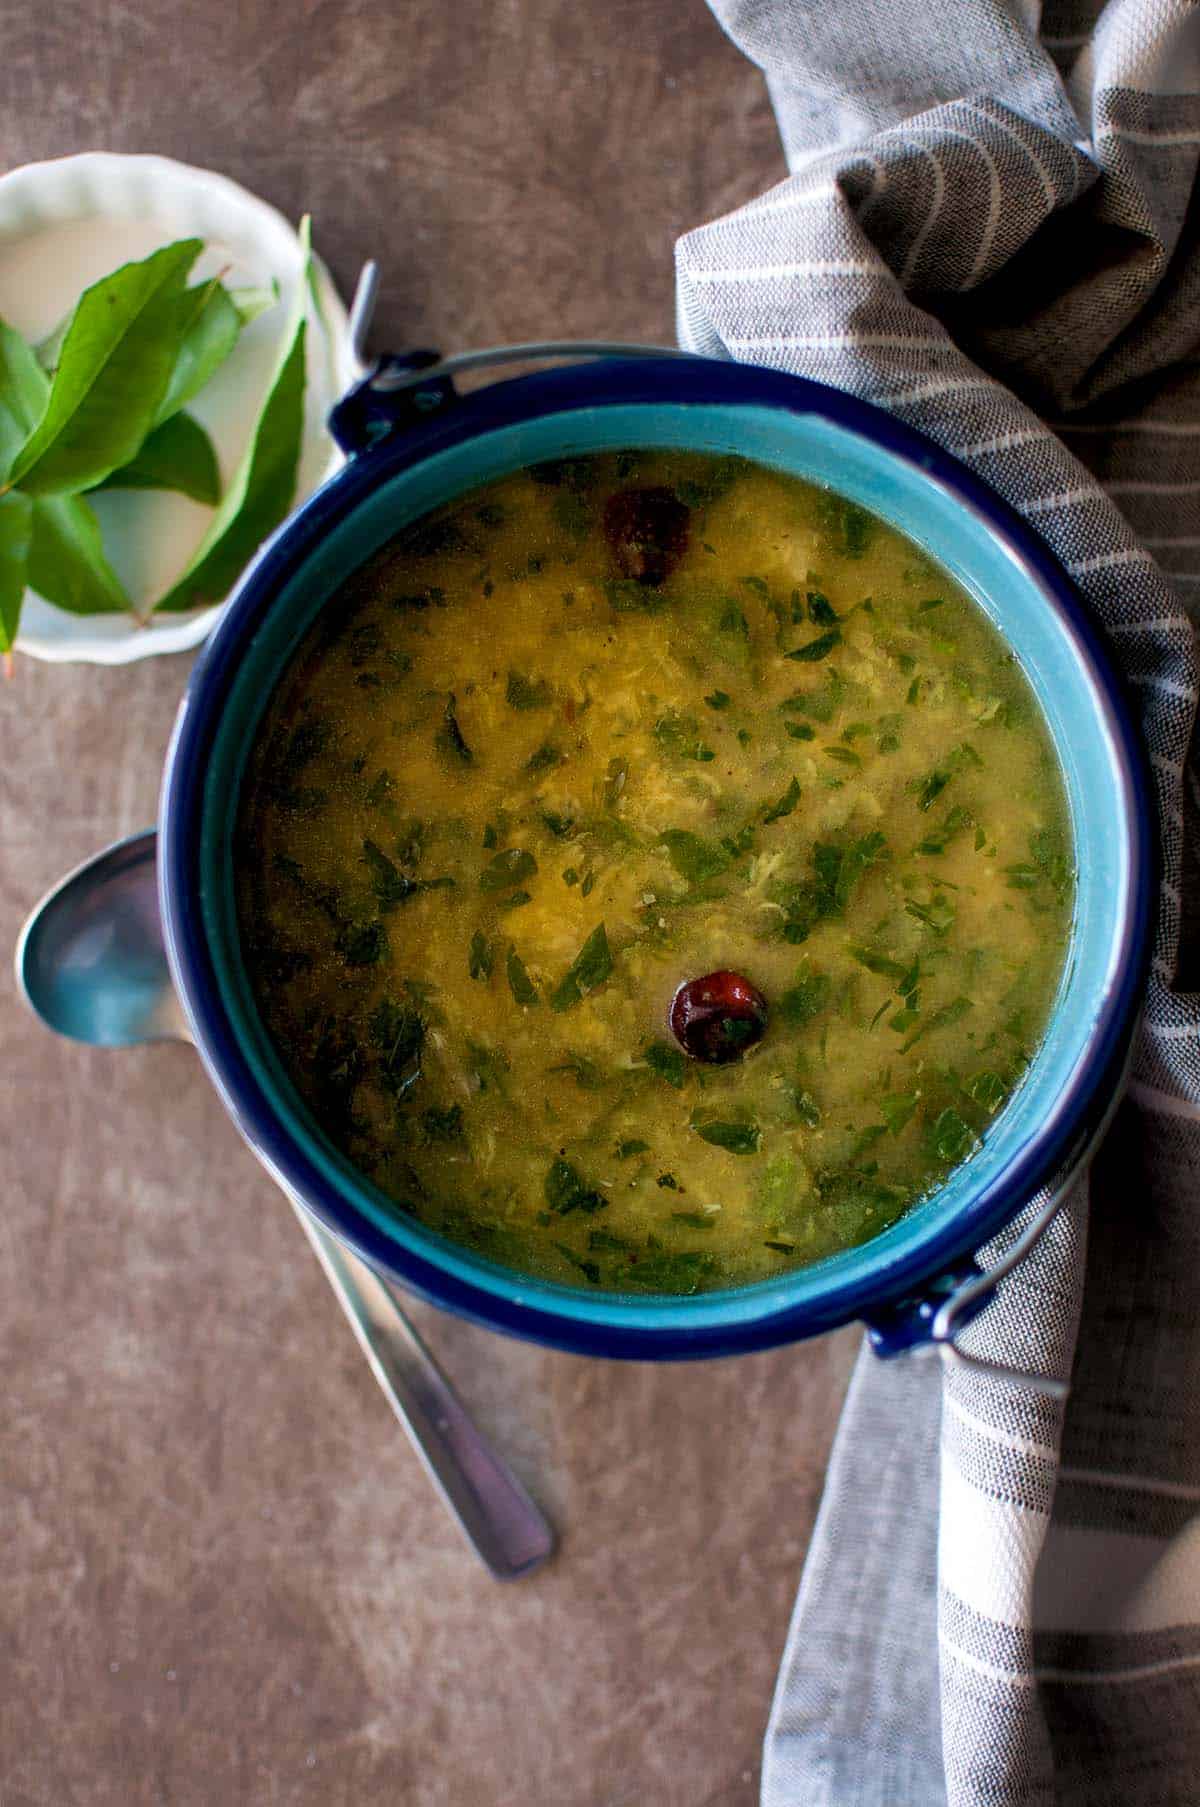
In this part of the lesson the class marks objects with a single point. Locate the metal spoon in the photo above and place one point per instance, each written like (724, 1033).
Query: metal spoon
(91, 964)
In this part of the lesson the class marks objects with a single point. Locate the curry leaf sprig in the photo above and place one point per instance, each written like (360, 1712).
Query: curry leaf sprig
(102, 404)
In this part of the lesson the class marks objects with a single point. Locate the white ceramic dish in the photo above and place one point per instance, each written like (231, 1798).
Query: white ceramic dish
(64, 224)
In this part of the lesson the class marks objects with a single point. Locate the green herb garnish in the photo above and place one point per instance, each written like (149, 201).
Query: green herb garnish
(820, 648)
(507, 868)
(565, 1191)
(391, 886)
(591, 966)
(786, 804)
(669, 1063)
(664, 1271)
(949, 1137)
(519, 983)
(521, 693)
(737, 1138)
(694, 858)
(482, 957)
(544, 760)
(449, 738)
(679, 736)
(398, 1033)
(804, 1000)
(987, 1090)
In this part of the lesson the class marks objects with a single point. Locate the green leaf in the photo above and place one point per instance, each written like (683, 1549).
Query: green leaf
(633, 1146)
(23, 392)
(679, 737)
(590, 967)
(523, 693)
(565, 1191)
(785, 805)
(16, 537)
(938, 915)
(507, 869)
(482, 956)
(804, 1000)
(857, 859)
(944, 1018)
(897, 1110)
(449, 738)
(950, 1139)
(987, 1090)
(882, 964)
(544, 760)
(589, 1269)
(363, 944)
(261, 490)
(209, 325)
(663, 1271)
(112, 374)
(737, 1138)
(67, 564)
(398, 1032)
(692, 857)
(519, 983)
(443, 1125)
(66, 561)
(178, 455)
(820, 648)
(667, 1062)
(391, 886)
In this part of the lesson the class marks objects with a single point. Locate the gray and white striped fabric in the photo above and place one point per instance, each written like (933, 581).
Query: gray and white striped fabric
(992, 228)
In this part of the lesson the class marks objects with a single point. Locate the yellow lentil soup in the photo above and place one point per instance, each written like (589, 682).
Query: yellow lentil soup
(617, 726)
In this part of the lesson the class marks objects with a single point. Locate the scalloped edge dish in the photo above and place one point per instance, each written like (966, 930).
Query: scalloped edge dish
(66, 222)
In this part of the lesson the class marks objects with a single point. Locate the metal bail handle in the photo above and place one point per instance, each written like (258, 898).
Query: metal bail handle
(401, 389)
(928, 1323)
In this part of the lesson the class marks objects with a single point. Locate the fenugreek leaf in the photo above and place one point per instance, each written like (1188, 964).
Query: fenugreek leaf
(590, 967)
(786, 803)
(523, 989)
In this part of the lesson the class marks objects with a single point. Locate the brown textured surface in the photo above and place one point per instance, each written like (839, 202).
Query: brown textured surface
(223, 1577)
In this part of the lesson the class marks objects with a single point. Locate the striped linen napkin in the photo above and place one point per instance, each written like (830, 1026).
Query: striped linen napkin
(992, 229)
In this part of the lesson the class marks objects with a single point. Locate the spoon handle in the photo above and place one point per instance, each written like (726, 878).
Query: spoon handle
(497, 1516)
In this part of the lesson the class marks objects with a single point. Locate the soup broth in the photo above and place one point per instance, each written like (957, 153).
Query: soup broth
(613, 725)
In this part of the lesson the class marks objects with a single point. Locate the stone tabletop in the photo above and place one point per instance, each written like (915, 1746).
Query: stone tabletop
(224, 1577)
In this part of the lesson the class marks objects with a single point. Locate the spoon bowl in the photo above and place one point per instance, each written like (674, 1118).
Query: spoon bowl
(90, 960)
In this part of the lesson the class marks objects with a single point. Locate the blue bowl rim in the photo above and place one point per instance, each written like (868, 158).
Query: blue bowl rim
(561, 390)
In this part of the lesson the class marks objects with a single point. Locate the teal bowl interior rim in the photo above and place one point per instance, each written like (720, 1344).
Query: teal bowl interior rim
(958, 537)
